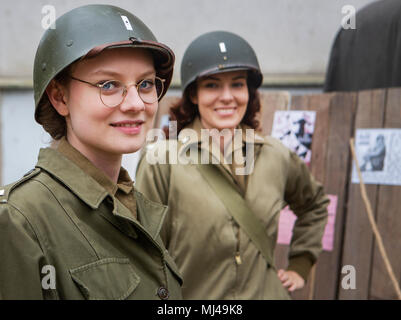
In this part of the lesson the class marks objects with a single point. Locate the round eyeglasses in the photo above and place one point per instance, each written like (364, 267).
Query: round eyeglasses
(113, 92)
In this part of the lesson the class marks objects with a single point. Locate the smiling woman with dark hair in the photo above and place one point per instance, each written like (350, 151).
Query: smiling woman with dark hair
(221, 226)
(74, 227)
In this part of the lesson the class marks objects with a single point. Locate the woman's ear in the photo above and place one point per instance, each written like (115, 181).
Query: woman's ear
(193, 97)
(56, 95)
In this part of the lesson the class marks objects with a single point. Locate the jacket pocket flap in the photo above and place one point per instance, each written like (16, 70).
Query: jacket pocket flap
(106, 279)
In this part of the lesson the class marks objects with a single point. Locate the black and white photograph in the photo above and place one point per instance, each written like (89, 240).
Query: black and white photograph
(378, 152)
(295, 130)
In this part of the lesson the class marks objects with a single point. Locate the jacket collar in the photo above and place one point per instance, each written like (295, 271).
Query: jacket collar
(79, 182)
(150, 215)
(124, 183)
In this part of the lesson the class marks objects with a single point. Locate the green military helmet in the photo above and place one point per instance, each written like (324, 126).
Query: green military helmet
(84, 32)
(219, 51)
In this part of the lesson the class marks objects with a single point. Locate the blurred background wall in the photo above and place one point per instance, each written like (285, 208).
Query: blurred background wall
(292, 39)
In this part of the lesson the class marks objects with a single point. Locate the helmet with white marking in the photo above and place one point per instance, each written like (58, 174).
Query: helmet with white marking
(85, 31)
(219, 51)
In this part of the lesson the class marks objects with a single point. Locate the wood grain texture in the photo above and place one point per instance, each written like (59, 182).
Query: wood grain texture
(358, 235)
(270, 103)
(320, 104)
(388, 217)
(337, 162)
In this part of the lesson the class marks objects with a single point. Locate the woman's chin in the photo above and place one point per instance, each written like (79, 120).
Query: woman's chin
(227, 124)
(126, 148)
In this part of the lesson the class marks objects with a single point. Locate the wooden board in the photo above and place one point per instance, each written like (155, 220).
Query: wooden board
(388, 217)
(341, 121)
(281, 253)
(358, 236)
(320, 104)
(270, 103)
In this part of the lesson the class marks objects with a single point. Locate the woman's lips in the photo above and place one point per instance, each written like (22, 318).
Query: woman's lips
(225, 112)
(128, 127)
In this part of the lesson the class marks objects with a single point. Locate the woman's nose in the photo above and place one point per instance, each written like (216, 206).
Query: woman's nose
(226, 94)
(132, 101)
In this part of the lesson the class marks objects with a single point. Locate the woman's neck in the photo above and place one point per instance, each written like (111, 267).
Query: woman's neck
(221, 140)
(108, 163)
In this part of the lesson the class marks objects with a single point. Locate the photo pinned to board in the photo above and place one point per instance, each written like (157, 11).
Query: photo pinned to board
(379, 156)
(294, 128)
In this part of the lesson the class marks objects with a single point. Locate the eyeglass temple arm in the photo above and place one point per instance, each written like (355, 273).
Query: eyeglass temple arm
(97, 85)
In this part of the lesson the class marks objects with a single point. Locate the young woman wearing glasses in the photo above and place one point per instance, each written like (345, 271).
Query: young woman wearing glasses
(74, 227)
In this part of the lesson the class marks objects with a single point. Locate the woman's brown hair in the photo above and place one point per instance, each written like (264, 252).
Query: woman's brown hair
(47, 116)
(185, 112)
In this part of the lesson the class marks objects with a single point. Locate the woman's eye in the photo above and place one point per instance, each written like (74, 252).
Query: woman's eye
(238, 85)
(211, 85)
(147, 84)
(110, 85)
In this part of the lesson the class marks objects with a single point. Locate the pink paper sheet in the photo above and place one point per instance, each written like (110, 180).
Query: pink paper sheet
(287, 220)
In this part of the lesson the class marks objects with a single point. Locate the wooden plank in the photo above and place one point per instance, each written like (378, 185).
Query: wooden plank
(388, 217)
(358, 236)
(341, 117)
(270, 103)
(281, 252)
(321, 104)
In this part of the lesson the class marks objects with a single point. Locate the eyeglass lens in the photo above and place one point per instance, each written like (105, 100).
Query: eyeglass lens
(112, 92)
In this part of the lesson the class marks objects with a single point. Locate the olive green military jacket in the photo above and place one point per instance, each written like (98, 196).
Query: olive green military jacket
(215, 257)
(63, 236)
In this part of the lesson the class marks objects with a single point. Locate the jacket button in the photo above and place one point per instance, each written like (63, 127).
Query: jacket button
(163, 293)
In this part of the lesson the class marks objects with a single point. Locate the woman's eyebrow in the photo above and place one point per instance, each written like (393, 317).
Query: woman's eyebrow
(239, 77)
(211, 78)
(105, 72)
(117, 74)
(217, 79)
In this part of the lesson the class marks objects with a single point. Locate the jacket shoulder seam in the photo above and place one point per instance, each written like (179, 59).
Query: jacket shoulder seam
(69, 216)
(31, 225)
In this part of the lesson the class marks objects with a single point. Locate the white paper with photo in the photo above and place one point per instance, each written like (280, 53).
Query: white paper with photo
(295, 130)
(379, 156)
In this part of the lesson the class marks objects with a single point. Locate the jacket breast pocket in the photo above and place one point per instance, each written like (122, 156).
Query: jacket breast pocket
(106, 279)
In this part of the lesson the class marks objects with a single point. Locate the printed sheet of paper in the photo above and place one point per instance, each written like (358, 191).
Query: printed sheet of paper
(295, 130)
(379, 156)
(288, 218)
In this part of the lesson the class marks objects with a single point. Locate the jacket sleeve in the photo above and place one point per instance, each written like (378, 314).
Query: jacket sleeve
(21, 257)
(153, 181)
(307, 200)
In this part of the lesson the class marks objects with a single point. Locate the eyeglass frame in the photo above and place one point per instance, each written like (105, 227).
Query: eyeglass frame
(126, 87)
